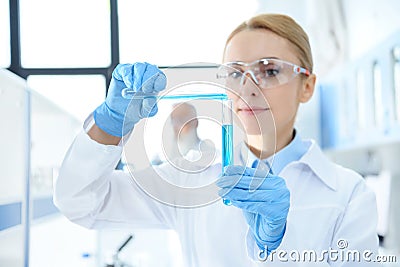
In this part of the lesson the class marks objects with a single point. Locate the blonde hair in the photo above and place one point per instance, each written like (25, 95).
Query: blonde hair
(285, 27)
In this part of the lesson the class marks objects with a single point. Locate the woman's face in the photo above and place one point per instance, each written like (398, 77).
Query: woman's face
(261, 110)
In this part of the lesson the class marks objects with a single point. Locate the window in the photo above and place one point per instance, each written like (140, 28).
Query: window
(378, 102)
(70, 33)
(4, 34)
(160, 33)
(396, 82)
(344, 109)
(361, 87)
(77, 94)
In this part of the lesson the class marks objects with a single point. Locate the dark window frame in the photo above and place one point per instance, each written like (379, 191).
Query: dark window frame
(15, 49)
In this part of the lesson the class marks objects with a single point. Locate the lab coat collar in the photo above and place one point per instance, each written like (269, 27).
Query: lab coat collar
(292, 152)
(305, 152)
(322, 167)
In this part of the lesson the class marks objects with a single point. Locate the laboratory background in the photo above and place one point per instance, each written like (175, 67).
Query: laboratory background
(56, 59)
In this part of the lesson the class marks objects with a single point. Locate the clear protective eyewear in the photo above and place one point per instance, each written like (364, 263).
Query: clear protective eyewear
(265, 72)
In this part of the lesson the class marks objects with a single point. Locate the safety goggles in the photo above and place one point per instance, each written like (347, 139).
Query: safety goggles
(265, 72)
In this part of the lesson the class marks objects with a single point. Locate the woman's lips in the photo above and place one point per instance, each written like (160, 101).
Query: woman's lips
(252, 111)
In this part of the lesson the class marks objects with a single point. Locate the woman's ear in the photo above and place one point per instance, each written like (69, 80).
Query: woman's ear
(307, 89)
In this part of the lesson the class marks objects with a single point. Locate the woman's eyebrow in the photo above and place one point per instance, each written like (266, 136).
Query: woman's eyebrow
(269, 58)
(240, 63)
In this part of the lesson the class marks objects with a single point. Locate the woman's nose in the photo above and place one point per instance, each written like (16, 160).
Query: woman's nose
(249, 84)
(246, 74)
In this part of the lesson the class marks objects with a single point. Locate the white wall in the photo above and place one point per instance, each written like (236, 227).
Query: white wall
(369, 22)
(49, 134)
(13, 118)
(13, 160)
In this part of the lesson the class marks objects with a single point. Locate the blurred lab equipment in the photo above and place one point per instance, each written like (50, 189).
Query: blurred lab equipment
(116, 262)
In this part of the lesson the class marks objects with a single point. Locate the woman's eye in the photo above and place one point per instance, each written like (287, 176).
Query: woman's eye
(271, 72)
(235, 74)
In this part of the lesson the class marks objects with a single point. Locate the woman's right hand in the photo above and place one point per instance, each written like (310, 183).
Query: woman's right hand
(117, 116)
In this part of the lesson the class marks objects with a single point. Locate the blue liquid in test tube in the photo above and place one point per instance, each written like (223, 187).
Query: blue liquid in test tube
(227, 138)
(227, 132)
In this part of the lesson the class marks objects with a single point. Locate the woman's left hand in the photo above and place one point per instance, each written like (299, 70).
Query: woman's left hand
(264, 199)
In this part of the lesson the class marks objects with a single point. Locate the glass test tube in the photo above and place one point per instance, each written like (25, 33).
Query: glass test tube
(227, 137)
(131, 94)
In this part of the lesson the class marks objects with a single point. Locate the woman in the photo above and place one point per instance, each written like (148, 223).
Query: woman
(288, 201)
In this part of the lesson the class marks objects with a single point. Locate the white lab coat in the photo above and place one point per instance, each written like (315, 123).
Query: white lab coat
(328, 203)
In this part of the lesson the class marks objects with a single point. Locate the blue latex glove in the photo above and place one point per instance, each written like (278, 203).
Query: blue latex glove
(117, 115)
(264, 199)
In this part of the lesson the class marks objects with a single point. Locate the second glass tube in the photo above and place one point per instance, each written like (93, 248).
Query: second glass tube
(227, 137)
